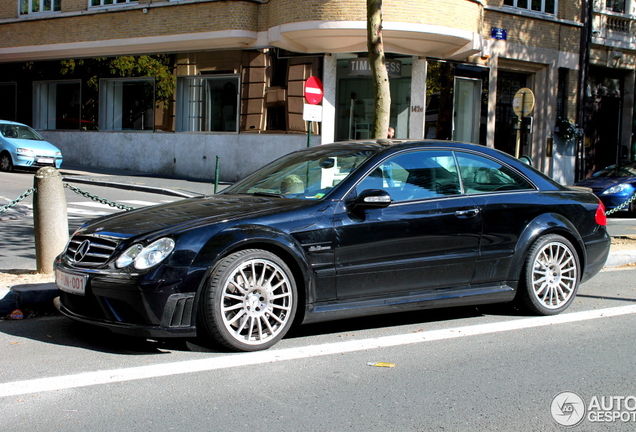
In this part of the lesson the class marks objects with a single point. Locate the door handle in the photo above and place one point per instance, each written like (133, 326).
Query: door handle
(467, 213)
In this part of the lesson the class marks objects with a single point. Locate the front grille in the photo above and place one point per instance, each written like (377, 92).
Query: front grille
(89, 251)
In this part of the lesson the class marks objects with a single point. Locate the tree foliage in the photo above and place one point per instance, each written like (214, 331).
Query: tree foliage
(379, 73)
(145, 66)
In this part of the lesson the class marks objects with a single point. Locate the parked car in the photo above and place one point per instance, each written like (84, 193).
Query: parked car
(615, 185)
(337, 231)
(23, 147)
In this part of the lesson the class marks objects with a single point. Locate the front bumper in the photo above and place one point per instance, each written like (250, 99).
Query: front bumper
(135, 305)
(36, 161)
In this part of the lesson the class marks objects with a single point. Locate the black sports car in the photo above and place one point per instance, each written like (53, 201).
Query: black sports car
(337, 231)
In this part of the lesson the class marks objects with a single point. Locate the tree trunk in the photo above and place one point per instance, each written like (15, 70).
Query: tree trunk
(379, 74)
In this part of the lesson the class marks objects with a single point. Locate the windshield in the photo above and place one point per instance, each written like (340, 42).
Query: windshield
(305, 175)
(628, 170)
(19, 131)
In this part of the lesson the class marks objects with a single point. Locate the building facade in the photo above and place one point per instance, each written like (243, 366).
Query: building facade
(167, 86)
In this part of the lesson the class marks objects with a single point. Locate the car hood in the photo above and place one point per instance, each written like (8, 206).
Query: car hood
(44, 147)
(602, 183)
(179, 216)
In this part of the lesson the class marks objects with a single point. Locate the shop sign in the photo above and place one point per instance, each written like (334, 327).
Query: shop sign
(361, 67)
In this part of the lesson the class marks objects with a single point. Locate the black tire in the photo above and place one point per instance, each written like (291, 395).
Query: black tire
(6, 164)
(249, 301)
(550, 277)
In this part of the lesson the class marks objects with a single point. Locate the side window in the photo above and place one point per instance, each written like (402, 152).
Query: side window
(481, 175)
(415, 175)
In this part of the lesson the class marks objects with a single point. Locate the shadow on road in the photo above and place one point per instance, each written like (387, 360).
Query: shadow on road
(58, 330)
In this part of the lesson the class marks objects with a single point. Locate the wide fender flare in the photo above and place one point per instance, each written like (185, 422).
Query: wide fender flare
(250, 236)
(547, 223)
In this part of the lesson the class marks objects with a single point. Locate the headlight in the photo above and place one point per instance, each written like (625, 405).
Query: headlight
(617, 189)
(24, 151)
(146, 257)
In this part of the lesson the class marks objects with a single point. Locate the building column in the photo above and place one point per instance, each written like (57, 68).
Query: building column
(328, 127)
(417, 121)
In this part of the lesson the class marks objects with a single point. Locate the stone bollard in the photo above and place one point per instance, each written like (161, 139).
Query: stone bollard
(49, 218)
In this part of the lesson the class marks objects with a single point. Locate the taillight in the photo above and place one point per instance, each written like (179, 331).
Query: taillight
(600, 217)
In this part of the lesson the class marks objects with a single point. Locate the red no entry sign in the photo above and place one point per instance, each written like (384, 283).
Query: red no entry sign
(313, 90)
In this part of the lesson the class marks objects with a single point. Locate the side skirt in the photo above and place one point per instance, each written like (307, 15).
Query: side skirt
(467, 296)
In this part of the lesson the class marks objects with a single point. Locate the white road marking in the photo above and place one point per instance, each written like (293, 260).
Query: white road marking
(246, 359)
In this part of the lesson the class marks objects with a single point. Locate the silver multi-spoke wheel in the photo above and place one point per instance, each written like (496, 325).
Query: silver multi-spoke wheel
(554, 275)
(551, 275)
(251, 301)
(256, 301)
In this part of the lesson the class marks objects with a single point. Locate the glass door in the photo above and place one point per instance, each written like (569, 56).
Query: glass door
(466, 109)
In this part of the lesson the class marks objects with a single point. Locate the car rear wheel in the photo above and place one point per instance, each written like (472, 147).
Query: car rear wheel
(551, 275)
(6, 164)
(250, 300)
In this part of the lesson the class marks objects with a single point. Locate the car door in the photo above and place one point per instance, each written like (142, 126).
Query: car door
(427, 238)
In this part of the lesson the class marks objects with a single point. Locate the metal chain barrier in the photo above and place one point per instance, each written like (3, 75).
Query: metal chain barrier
(621, 207)
(96, 198)
(4, 208)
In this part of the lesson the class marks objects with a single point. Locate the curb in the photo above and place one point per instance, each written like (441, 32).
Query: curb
(128, 186)
(28, 297)
(620, 258)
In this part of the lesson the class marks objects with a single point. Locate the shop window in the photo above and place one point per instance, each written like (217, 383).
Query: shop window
(355, 101)
(39, 6)
(110, 2)
(56, 104)
(546, 6)
(456, 102)
(8, 96)
(207, 104)
(127, 104)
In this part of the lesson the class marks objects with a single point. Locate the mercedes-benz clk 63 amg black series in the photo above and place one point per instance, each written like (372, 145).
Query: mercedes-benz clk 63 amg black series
(337, 231)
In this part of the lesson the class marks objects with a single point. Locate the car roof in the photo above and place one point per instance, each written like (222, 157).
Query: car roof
(11, 122)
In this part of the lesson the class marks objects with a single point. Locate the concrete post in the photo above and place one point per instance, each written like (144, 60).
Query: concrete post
(49, 218)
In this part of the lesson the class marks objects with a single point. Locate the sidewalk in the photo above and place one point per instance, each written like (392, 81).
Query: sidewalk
(29, 292)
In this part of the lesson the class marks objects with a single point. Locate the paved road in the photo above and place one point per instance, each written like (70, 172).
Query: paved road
(478, 369)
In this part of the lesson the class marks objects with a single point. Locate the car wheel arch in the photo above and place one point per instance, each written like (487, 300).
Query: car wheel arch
(280, 245)
(547, 223)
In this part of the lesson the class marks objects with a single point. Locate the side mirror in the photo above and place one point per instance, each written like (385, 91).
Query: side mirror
(370, 199)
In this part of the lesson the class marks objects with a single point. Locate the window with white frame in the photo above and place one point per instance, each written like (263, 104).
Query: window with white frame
(126, 104)
(37, 6)
(95, 3)
(546, 6)
(207, 104)
(57, 104)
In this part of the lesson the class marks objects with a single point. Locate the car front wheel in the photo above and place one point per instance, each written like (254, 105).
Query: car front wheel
(250, 300)
(6, 164)
(551, 275)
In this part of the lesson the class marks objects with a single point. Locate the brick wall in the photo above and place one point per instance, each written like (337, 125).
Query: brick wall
(172, 18)
(532, 32)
